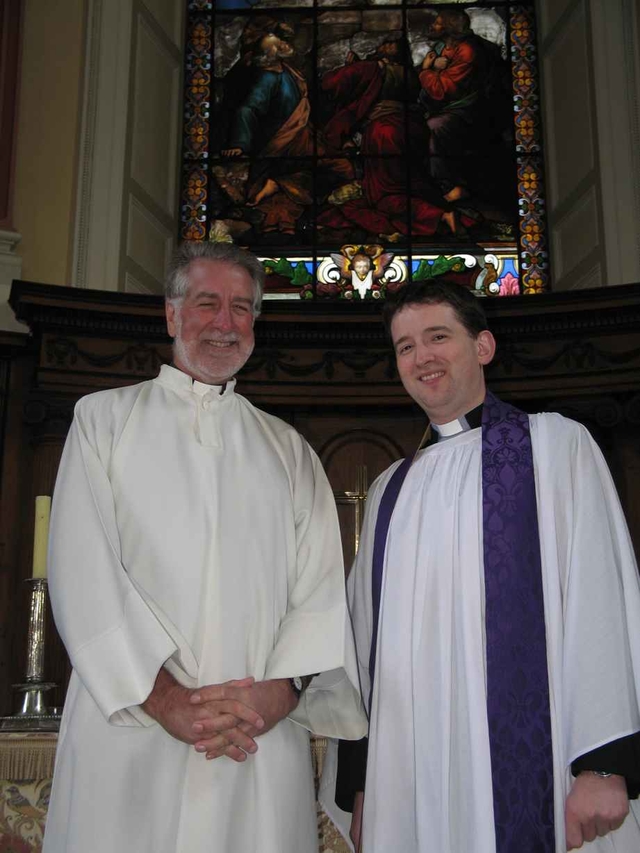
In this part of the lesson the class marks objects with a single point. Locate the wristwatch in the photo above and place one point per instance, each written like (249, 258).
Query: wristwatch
(296, 685)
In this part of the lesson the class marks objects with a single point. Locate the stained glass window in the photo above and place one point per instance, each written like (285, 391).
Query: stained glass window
(354, 146)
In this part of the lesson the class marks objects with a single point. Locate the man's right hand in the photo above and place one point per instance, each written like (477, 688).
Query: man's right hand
(169, 704)
(595, 806)
(355, 831)
(429, 59)
(272, 699)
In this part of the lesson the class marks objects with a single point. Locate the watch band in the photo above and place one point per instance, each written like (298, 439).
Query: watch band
(296, 685)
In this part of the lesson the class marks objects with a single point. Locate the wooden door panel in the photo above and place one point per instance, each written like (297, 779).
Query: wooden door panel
(355, 449)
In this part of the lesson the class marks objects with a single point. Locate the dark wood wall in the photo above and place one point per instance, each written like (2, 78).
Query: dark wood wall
(324, 367)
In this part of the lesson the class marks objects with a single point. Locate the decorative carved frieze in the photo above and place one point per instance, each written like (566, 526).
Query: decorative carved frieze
(574, 355)
(330, 364)
(548, 346)
(122, 357)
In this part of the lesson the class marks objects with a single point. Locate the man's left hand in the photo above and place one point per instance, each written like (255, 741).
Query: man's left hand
(429, 59)
(273, 700)
(596, 805)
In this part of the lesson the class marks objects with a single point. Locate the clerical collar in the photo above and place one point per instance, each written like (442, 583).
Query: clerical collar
(180, 381)
(472, 420)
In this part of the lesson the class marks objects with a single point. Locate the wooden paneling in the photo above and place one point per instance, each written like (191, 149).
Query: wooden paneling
(354, 449)
(324, 367)
(16, 374)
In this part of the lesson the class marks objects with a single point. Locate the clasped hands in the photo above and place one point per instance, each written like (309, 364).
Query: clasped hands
(432, 60)
(220, 719)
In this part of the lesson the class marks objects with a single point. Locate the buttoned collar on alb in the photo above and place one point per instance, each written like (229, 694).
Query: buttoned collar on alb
(179, 381)
(208, 400)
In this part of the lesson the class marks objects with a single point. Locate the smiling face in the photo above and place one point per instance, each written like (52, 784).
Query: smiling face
(212, 326)
(361, 265)
(439, 362)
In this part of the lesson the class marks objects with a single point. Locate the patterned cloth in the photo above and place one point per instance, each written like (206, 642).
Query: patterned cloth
(26, 770)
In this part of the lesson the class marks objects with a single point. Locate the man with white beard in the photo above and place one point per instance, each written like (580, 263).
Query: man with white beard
(196, 580)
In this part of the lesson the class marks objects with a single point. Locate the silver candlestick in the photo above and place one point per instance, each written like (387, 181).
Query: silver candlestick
(33, 714)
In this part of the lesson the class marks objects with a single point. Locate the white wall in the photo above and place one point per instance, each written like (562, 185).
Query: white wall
(590, 75)
(40, 243)
(128, 190)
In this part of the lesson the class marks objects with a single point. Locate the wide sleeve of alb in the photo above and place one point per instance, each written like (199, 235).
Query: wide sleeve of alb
(585, 532)
(315, 634)
(115, 642)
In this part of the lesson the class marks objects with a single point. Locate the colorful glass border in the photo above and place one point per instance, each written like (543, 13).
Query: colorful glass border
(530, 266)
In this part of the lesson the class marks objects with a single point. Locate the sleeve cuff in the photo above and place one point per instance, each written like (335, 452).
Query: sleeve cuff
(621, 756)
(352, 771)
(119, 667)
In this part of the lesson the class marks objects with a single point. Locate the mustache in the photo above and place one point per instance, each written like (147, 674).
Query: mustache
(222, 337)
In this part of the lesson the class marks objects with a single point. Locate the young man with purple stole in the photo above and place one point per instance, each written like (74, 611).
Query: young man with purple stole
(496, 606)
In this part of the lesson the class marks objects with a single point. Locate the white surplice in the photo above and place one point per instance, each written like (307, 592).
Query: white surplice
(190, 527)
(428, 785)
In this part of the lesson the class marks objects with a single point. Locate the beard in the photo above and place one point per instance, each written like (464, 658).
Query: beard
(200, 360)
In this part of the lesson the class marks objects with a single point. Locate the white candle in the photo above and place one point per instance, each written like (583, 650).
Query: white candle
(41, 536)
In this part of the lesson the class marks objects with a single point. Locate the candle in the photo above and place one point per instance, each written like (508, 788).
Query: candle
(41, 536)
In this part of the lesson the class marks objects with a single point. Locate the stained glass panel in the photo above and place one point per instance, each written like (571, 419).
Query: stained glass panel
(318, 130)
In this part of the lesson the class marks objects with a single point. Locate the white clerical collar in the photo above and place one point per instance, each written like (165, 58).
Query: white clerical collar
(202, 389)
(180, 381)
(452, 428)
(469, 421)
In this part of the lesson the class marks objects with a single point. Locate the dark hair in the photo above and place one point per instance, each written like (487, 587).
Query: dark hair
(467, 307)
(177, 277)
(456, 21)
(403, 54)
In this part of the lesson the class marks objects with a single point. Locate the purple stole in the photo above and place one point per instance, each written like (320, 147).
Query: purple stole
(517, 678)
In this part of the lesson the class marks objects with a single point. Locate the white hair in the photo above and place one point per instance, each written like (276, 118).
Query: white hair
(177, 278)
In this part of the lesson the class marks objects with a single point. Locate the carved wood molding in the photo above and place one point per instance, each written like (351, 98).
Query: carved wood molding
(563, 344)
(112, 356)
